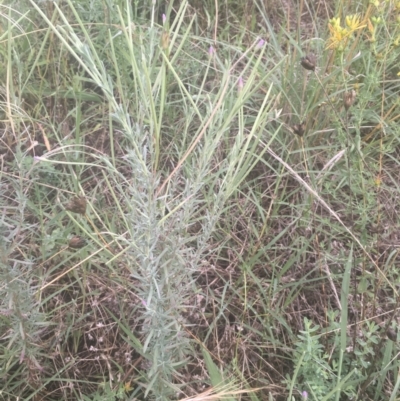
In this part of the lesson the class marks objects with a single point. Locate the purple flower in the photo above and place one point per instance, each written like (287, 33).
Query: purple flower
(211, 51)
(260, 43)
(164, 18)
(240, 84)
(304, 395)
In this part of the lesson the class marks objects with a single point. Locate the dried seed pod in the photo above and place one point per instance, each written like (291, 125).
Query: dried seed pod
(392, 335)
(77, 205)
(308, 62)
(76, 242)
(165, 40)
(299, 129)
(349, 98)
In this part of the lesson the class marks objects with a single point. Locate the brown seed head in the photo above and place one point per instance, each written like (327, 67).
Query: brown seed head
(349, 98)
(299, 129)
(76, 242)
(77, 205)
(165, 40)
(308, 62)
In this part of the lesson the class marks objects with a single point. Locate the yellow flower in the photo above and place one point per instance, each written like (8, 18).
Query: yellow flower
(339, 36)
(353, 22)
(371, 28)
(335, 22)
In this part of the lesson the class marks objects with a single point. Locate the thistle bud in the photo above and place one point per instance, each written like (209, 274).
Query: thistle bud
(349, 98)
(76, 242)
(308, 62)
(240, 84)
(392, 335)
(77, 205)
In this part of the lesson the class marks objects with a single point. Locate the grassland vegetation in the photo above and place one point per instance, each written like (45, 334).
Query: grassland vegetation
(199, 200)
